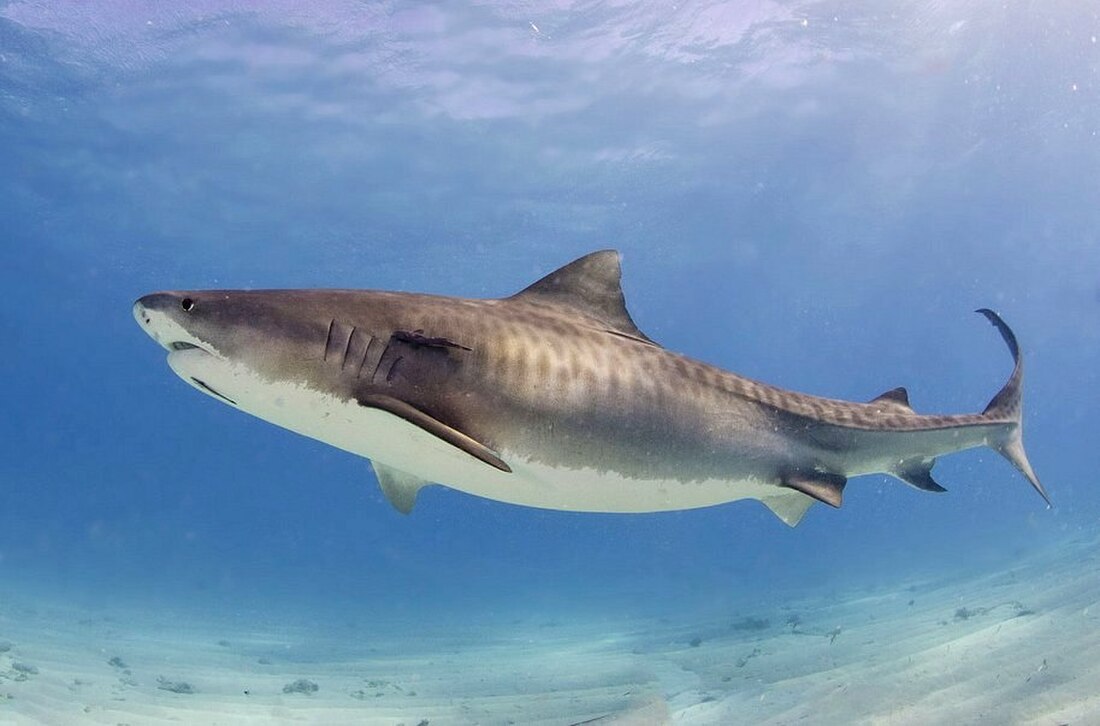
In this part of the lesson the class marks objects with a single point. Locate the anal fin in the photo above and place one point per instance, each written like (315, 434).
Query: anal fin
(822, 486)
(400, 488)
(435, 427)
(918, 473)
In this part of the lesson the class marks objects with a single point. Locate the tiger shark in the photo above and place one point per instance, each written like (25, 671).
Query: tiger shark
(551, 398)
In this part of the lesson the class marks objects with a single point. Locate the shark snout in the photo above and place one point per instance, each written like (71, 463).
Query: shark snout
(141, 312)
(149, 312)
(143, 317)
(164, 302)
(162, 316)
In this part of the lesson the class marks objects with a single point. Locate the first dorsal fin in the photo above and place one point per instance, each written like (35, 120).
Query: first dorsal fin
(590, 285)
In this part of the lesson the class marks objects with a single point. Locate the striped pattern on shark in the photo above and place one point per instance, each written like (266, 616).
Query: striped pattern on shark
(552, 398)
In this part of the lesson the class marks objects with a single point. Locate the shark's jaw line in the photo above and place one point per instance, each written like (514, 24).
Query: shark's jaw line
(182, 346)
(550, 398)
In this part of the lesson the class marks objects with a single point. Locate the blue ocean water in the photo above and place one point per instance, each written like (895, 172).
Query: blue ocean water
(815, 194)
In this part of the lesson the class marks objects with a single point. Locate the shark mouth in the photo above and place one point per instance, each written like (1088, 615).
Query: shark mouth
(178, 346)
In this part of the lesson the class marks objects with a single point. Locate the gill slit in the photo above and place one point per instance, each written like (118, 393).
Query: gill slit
(328, 338)
(366, 354)
(347, 348)
(378, 363)
(393, 368)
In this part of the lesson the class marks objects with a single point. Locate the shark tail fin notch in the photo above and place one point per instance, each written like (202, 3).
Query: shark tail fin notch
(1007, 406)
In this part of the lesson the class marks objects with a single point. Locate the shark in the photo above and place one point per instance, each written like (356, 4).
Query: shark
(551, 397)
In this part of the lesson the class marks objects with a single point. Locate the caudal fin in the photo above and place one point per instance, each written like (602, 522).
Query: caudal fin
(1008, 406)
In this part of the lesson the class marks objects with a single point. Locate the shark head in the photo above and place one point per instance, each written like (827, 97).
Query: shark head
(236, 345)
(361, 370)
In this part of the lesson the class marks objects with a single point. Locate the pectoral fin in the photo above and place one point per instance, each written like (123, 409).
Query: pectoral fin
(435, 427)
(400, 488)
(822, 486)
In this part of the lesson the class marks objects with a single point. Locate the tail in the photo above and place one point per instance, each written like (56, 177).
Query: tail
(1008, 406)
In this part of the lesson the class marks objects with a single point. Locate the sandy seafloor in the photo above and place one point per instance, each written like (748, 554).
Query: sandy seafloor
(1016, 643)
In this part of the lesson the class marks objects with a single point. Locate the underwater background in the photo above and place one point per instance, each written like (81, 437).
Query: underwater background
(814, 194)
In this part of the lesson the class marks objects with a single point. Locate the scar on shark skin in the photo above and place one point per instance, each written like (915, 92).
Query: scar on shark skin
(417, 337)
(565, 403)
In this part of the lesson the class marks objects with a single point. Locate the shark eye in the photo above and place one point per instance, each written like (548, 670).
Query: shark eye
(187, 304)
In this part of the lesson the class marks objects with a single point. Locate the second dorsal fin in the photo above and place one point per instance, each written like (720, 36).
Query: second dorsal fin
(590, 285)
(895, 397)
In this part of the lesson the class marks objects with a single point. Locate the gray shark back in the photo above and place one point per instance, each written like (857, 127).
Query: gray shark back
(552, 397)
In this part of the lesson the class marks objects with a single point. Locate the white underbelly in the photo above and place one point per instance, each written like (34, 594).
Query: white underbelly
(380, 436)
(588, 490)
